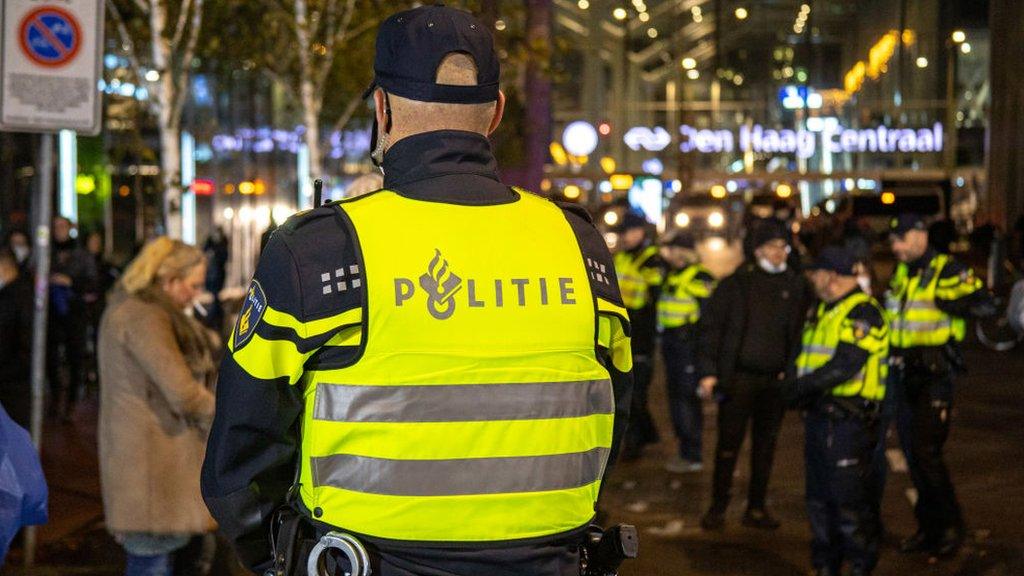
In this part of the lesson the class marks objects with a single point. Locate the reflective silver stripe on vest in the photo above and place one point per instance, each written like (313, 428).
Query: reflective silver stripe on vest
(818, 349)
(459, 477)
(912, 326)
(463, 402)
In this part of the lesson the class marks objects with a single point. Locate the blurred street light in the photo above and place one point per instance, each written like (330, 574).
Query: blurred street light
(619, 13)
(741, 13)
(965, 48)
(922, 62)
(583, 4)
(959, 36)
(689, 63)
(692, 74)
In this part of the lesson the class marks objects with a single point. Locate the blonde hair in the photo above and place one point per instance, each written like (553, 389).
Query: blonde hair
(161, 259)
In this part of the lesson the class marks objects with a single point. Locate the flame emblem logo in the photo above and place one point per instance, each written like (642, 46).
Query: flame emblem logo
(440, 284)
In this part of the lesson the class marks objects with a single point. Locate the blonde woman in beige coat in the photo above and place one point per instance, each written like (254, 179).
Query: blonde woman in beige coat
(156, 404)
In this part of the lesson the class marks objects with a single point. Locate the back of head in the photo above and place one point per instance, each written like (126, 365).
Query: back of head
(161, 259)
(436, 69)
(411, 117)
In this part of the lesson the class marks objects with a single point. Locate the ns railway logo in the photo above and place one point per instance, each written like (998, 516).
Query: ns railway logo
(441, 285)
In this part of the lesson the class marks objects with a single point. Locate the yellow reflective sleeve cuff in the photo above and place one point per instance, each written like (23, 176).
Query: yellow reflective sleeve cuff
(653, 276)
(957, 289)
(313, 327)
(271, 359)
(873, 340)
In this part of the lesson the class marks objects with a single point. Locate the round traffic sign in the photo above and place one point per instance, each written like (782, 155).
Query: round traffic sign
(50, 36)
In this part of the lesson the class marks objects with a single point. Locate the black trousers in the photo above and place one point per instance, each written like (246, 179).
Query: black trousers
(839, 453)
(923, 419)
(684, 405)
(757, 399)
(68, 335)
(641, 429)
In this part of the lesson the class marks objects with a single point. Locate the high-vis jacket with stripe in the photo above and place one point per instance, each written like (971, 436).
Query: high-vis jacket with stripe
(832, 326)
(464, 399)
(635, 277)
(681, 295)
(911, 303)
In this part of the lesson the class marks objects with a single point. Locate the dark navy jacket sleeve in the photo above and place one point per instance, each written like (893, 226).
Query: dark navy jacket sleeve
(252, 452)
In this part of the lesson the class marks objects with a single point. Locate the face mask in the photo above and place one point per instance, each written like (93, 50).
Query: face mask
(770, 268)
(865, 283)
(21, 253)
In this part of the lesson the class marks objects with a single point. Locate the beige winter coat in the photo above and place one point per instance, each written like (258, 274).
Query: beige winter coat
(155, 412)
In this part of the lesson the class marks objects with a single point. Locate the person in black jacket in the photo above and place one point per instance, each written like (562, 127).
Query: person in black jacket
(15, 339)
(72, 277)
(750, 332)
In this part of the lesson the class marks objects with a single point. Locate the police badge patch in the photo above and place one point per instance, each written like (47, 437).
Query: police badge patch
(253, 307)
(860, 329)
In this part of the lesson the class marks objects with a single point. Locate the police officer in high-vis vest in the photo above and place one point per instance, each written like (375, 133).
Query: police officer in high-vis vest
(688, 285)
(432, 367)
(641, 273)
(929, 299)
(841, 375)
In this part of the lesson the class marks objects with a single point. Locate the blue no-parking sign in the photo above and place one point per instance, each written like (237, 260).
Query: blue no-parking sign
(50, 58)
(50, 36)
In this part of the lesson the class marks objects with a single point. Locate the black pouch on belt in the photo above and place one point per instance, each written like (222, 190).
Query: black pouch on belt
(294, 538)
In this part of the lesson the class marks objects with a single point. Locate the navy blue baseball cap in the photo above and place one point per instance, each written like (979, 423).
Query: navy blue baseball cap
(904, 223)
(681, 239)
(630, 220)
(835, 259)
(412, 44)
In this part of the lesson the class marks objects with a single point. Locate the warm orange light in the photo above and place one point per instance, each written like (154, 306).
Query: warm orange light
(229, 188)
(621, 181)
(572, 192)
(888, 198)
(123, 191)
(783, 191)
(718, 191)
(246, 188)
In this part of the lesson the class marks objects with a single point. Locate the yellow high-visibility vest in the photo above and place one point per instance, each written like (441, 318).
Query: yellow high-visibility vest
(478, 410)
(634, 280)
(679, 303)
(828, 329)
(914, 317)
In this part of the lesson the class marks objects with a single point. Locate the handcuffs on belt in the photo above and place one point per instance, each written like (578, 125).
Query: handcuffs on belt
(358, 559)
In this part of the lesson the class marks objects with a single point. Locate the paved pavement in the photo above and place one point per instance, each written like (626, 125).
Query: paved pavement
(985, 454)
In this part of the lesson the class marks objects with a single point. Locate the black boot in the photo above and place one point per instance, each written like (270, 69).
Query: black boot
(760, 518)
(949, 543)
(714, 519)
(919, 542)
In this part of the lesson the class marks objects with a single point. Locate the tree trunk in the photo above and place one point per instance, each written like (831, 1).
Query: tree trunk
(311, 119)
(538, 91)
(168, 125)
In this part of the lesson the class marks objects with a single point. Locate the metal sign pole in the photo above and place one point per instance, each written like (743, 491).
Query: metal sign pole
(44, 214)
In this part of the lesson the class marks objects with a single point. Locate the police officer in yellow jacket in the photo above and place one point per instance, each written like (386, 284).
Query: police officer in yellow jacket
(433, 367)
(929, 298)
(841, 375)
(688, 285)
(641, 273)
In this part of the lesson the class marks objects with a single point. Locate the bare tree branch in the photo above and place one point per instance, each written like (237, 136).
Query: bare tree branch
(129, 45)
(350, 110)
(186, 59)
(179, 29)
(335, 36)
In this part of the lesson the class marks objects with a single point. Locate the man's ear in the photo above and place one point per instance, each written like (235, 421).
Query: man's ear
(499, 112)
(380, 110)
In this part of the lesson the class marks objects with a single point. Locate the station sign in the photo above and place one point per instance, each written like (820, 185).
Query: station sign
(50, 64)
(824, 134)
